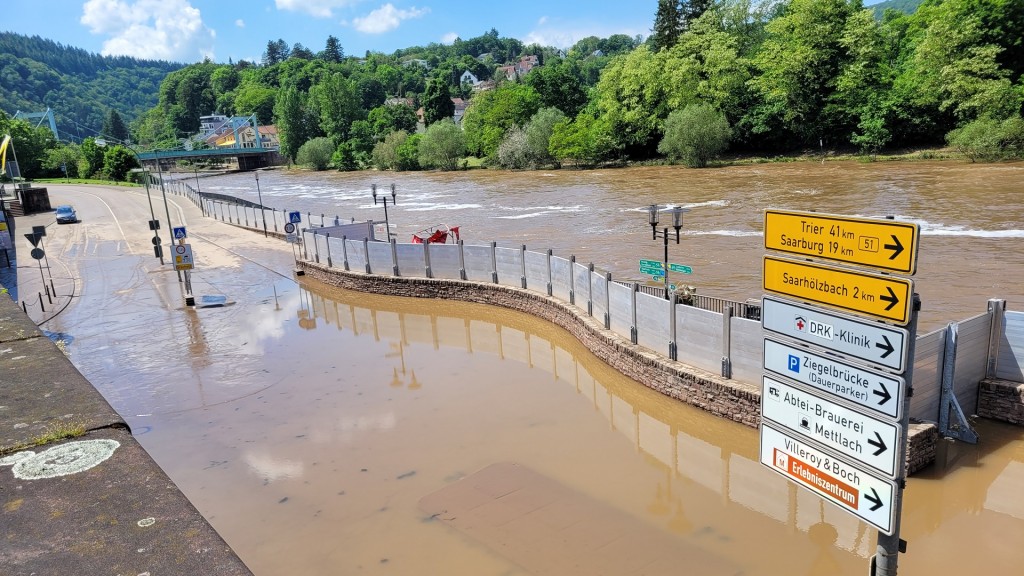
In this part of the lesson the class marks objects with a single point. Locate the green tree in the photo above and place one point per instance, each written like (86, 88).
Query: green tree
(117, 162)
(696, 135)
(337, 100)
(538, 135)
(295, 121)
(407, 153)
(584, 141)
(437, 101)
(385, 153)
(332, 50)
(514, 151)
(799, 63)
(92, 158)
(492, 113)
(64, 158)
(559, 86)
(632, 97)
(392, 118)
(316, 153)
(989, 140)
(668, 25)
(442, 146)
(258, 100)
(277, 52)
(113, 127)
(30, 144)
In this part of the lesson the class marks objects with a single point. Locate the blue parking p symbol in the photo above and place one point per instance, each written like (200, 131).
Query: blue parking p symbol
(794, 363)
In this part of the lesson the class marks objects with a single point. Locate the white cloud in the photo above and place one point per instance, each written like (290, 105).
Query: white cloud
(315, 8)
(449, 38)
(240, 23)
(543, 20)
(564, 37)
(149, 29)
(386, 18)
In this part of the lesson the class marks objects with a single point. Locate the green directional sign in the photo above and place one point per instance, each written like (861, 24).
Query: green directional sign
(680, 268)
(652, 271)
(651, 264)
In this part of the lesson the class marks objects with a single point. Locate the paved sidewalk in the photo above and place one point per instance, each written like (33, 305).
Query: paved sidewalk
(95, 503)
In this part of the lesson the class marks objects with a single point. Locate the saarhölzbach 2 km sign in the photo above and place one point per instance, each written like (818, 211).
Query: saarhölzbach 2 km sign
(833, 396)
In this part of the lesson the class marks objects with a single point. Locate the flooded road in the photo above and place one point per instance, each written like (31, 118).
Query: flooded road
(325, 431)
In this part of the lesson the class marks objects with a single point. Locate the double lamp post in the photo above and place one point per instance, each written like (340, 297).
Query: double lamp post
(677, 223)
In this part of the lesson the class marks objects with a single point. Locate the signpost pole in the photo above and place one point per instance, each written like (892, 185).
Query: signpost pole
(883, 563)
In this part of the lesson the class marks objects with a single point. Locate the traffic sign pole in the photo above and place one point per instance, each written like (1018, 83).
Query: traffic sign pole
(889, 546)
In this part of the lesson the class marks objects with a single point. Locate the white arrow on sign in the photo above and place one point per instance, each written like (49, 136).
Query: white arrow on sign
(849, 433)
(879, 344)
(881, 393)
(852, 489)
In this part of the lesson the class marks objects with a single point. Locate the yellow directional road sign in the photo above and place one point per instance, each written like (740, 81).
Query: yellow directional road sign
(881, 297)
(882, 244)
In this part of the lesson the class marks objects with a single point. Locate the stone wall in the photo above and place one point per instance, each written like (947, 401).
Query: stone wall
(738, 401)
(1001, 400)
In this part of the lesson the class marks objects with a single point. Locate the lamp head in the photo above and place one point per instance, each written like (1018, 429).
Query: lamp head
(652, 215)
(373, 187)
(392, 193)
(677, 217)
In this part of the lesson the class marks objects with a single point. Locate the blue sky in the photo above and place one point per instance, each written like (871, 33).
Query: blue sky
(188, 30)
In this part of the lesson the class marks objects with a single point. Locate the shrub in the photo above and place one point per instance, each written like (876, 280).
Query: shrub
(514, 151)
(443, 145)
(989, 140)
(696, 135)
(316, 153)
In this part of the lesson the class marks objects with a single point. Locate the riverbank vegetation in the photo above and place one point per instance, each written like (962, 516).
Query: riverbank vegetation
(777, 79)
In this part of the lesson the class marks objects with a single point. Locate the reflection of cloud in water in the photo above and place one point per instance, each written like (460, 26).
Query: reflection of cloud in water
(268, 468)
(347, 428)
(255, 329)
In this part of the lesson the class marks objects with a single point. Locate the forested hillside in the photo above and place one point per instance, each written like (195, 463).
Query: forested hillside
(79, 86)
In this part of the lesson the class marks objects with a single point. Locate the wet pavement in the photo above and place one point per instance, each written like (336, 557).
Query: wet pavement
(316, 428)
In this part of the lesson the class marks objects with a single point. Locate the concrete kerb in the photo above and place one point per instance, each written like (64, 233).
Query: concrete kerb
(80, 495)
(732, 399)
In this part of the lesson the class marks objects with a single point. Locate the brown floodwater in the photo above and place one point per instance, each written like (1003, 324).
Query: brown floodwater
(971, 216)
(325, 431)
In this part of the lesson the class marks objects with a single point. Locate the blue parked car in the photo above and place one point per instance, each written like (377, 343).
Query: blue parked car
(66, 214)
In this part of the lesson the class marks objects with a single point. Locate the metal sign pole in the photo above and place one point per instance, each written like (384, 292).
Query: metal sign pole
(883, 563)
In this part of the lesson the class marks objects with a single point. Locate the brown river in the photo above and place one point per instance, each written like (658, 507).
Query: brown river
(332, 432)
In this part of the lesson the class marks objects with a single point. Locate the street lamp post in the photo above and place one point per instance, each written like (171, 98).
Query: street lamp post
(384, 199)
(677, 223)
(154, 223)
(260, 195)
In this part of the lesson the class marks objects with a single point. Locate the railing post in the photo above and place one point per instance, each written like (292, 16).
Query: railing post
(316, 246)
(550, 291)
(246, 212)
(426, 258)
(633, 334)
(673, 347)
(608, 300)
(572, 279)
(727, 342)
(522, 255)
(494, 262)
(329, 263)
(366, 255)
(394, 257)
(590, 289)
(273, 215)
(344, 251)
(305, 245)
(997, 314)
(462, 261)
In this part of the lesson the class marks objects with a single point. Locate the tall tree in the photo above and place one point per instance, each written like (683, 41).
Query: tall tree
(668, 24)
(294, 122)
(437, 101)
(332, 50)
(337, 101)
(691, 10)
(277, 52)
(113, 127)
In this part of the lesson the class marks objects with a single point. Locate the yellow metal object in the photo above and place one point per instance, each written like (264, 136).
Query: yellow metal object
(872, 295)
(881, 244)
